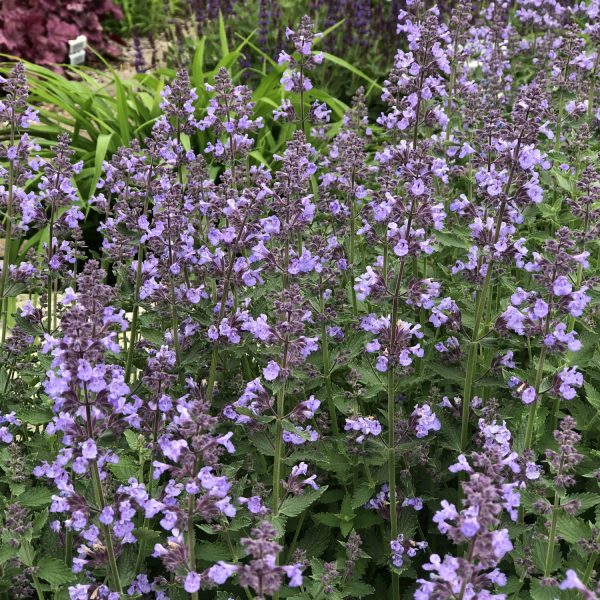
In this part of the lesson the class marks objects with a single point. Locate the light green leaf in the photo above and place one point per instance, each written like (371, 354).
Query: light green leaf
(36, 497)
(6, 553)
(572, 529)
(223, 36)
(346, 65)
(102, 144)
(54, 571)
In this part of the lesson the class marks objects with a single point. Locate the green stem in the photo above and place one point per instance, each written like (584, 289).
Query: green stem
(38, 587)
(113, 570)
(480, 303)
(49, 283)
(538, 378)
(277, 460)
(292, 547)
(533, 407)
(589, 568)
(175, 323)
(391, 413)
(69, 548)
(137, 286)
(391, 410)
(327, 370)
(352, 202)
(593, 86)
(552, 536)
(149, 488)
(191, 536)
(134, 316)
(212, 372)
(6, 258)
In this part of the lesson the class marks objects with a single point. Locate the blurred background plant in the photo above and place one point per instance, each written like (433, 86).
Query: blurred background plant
(39, 30)
(147, 34)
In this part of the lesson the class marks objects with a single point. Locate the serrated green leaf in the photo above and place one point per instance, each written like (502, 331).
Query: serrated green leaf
(572, 529)
(125, 468)
(262, 442)
(133, 440)
(35, 416)
(585, 499)
(40, 520)
(541, 592)
(539, 551)
(358, 589)
(213, 551)
(362, 495)
(592, 395)
(315, 541)
(326, 519)
(6, 553)
(36, 497)
(54, 571)
(294, 505)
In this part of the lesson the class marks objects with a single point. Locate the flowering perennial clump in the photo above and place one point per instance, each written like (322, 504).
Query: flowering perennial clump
(319, 351)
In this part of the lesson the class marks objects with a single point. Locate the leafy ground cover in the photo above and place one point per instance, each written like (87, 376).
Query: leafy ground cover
(258, 341)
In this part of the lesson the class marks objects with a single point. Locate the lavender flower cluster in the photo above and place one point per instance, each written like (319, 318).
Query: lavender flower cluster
(319, 353)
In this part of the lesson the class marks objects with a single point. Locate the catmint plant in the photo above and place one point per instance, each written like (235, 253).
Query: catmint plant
(319, 344)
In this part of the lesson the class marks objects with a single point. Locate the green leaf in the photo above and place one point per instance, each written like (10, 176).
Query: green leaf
(39, 521)
(263, 443)
(541, 592)
(102, 144)
(346, 65)
(54, 571)
(585, 499)
(36, 497)
(126, 564)
(315, 541)
(294, 505)
(122, 111)
(198, 65)
(540, 548)
(572, 529)
(213, 551)
(451, 240)
(125, 468)
(133, 440)
(29, 327)
(145, 533)
(327, 519)
(223, 36)
(35, 416)
(592, 395)
(362, 495)
(6, 553)
(562, 181)
(358, 589)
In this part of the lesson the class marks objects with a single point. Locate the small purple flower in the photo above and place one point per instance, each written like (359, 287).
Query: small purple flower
(426, 420)
(254, 504)
(221, 572)
(562, 286)
(529, 395)
(364, 426)
(271, 371)
(89, 450)
(107, 515)
(191, 583)
(294, 573)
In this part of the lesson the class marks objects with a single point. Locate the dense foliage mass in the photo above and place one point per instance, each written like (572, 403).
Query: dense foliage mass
(316, 353)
